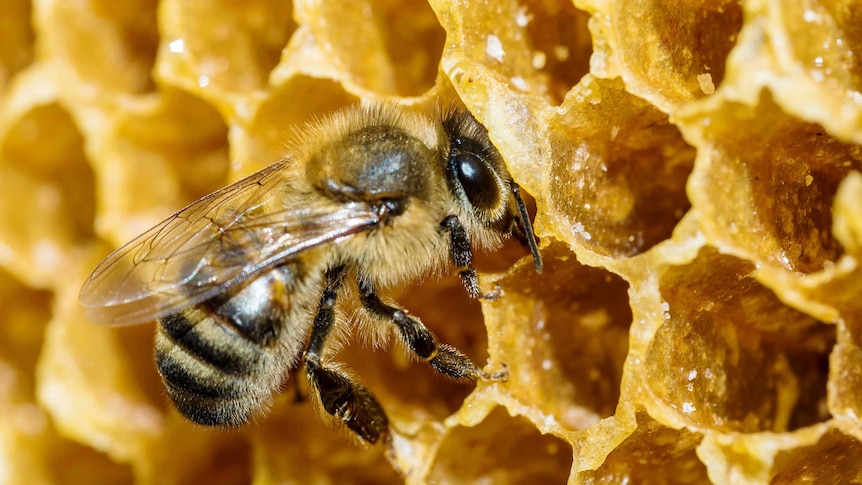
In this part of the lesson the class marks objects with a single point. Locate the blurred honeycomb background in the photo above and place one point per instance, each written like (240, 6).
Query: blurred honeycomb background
(694, 169)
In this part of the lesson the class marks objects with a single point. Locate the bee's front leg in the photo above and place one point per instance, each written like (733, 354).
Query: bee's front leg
(444, 358)
(462, 256)
(340, 396)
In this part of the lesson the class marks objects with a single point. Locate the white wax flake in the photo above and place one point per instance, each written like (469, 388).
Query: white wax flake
(810, 15)
(665, 310)
(539, 60)
(519, 83)
(494, 48)
(705, 82)
(707, 373)
(580, 229)
(177, 46)
(692, 374)
(522, 18)
(203, 81)
(688, 408)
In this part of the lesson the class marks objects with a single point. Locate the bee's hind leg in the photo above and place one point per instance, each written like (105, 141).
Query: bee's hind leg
(340, 396)
(444, 358)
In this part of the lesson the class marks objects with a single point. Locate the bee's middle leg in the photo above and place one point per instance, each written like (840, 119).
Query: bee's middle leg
(444, 358)
(340, 396)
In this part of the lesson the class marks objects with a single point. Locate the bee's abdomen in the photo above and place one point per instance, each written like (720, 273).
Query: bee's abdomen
(222, 361)
(214, 376)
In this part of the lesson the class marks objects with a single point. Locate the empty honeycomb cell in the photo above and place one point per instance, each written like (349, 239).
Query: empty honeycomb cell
(24, 313)
(651, 454)
(521, 454)
(124, 34)
(723, 361)
(834, 457)
(216, 48)
(51, 184)
(618, 171)
(668, 55)
(816, 45)
(279, 120)
(563, 336)
(16, 38)
(765, 182)
(373, 46)
(178, 141)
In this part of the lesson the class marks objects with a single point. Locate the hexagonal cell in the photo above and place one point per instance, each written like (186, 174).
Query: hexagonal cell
(536, 47)
(44, 170)
(835, 455)
(765, 182)
(178, 141)
(564, 336)
(16, 38)
(618, 171)
(652, 454)
(386, 47)
(817, 44)
(212, 47)
(124, 34)
(670, 56)
(730, 356)
(501, 449)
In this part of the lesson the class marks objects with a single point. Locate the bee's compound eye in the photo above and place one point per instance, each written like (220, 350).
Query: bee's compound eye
(477, 179)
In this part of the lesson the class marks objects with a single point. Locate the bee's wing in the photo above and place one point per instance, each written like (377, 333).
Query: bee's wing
(216, 242)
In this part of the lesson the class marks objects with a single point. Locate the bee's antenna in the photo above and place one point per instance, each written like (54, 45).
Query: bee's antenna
(527, 227)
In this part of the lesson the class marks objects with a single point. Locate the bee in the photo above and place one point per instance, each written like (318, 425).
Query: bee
(244, 283)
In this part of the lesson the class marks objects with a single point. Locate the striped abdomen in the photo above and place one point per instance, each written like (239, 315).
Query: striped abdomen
(221, 361)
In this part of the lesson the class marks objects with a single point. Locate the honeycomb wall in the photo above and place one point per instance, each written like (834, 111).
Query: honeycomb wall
(695, 172)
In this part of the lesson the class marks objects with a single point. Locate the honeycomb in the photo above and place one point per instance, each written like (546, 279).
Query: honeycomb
(696, 175)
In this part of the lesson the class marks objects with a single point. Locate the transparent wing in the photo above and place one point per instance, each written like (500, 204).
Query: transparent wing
(216, 242)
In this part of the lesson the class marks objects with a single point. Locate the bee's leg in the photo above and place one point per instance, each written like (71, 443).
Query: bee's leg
(444, 358)
(462, 256)
(339, 395)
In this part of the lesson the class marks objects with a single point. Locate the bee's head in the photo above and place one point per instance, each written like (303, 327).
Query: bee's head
(477, 178)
